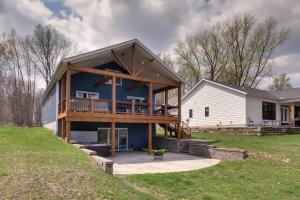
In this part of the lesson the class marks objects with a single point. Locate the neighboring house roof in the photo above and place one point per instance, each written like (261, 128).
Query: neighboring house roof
(92, 59)
(286, 94)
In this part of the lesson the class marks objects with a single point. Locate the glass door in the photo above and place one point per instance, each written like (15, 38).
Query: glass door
(104, 137)
(122, 139)
(285, 114)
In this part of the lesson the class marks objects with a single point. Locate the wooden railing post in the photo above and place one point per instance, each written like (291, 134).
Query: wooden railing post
(133, 107)
(113, 94)
(150, 99)
(92, 105)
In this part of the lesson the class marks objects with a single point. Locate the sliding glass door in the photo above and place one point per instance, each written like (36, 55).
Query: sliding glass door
(104, 137)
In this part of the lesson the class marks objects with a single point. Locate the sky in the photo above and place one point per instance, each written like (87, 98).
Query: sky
(94, 24)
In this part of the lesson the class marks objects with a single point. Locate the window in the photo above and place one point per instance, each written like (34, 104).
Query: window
(206, 109)
(118, 80)
(269, 111)
(87, 95)
(190, 113)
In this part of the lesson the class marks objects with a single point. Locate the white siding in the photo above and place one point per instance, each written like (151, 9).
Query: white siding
(254, 111)
(226, 107)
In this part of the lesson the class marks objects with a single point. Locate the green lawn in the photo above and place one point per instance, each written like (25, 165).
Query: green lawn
(34, 164)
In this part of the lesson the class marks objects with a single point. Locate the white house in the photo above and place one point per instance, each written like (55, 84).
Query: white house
(216, 104)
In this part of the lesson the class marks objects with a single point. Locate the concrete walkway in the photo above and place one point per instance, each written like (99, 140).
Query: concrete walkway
(142, 163)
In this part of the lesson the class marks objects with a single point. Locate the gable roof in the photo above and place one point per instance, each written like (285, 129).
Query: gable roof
(100, 56)
(244, 90)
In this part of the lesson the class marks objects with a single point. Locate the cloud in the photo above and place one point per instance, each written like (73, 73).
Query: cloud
(159, 24)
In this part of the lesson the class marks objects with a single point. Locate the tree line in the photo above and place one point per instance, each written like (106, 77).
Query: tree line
(237, 50)
(24, 61)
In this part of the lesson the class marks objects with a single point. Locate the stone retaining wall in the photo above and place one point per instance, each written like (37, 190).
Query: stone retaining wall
(200, 148)
(256, 130)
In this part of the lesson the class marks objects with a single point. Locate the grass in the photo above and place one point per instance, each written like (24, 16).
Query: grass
(34, 164)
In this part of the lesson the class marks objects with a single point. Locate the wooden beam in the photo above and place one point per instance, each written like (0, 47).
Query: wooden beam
(149, 138)
(113, 94)
(102, 81)
(68, 90)
(113, 139)
(293, 108)
(170, 87)
(150, 99)
(121, 61)
(136, 85)
(119, 75)
(63, 128)
(166, 130)
(179, 101)
(68, 131)
(133, 58)
(144, 66)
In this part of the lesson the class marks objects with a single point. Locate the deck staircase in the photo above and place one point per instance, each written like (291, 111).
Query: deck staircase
(182, 129)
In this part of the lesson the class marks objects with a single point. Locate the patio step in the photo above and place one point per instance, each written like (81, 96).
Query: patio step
(185, 149)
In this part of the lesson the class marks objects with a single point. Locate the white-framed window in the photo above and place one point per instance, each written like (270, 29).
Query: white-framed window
(136, 99)
(87, 95)
(118, 80)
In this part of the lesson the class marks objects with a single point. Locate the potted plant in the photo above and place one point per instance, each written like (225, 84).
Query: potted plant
(159, 153)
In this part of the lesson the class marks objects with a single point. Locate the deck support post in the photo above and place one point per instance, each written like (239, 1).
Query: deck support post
(149, 138)
(150, 99)
(166, 130)
(113, 139)
(63, 128)
(293, 114)
(68, 131)
(166, 102)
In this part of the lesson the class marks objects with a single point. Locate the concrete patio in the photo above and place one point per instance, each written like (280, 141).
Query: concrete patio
(142, 163)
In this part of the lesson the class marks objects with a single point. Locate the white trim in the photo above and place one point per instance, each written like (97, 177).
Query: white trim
(56, 103)
(87, 93)
(205, 80)
(62, 66)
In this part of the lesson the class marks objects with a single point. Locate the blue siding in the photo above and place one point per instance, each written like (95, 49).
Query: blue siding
(49, 107)
(137, 133)
(86, 81)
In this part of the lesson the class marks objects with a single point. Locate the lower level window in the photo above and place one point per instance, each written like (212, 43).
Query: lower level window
(269, 111)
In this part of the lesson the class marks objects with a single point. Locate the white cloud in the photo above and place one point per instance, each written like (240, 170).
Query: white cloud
(159, 24)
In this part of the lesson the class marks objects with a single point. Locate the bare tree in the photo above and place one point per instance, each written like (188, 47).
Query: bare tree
(48, 46)
(189, 60)
(280, 82)
(236, 51)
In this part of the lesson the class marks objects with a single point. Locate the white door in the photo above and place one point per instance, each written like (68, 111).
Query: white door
(285, 115)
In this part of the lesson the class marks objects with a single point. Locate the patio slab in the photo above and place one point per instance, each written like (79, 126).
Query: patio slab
(142, 163)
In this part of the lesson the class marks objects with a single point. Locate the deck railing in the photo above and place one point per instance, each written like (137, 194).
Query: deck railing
(122, 107)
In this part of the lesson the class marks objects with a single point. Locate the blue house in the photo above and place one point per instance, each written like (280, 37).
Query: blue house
(108, 96)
